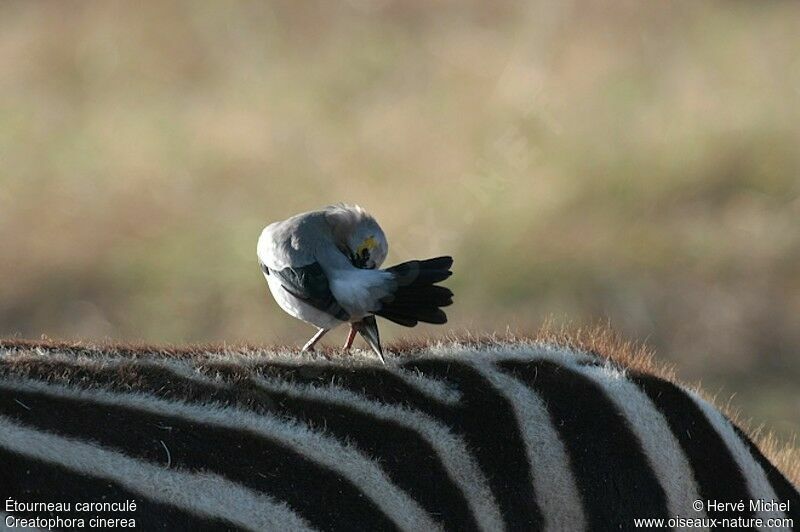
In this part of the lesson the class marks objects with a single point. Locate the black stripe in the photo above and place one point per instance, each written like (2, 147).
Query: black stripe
(483, 417)
(407, 458)
(373, 383)
(322, 497)
(780, 484)
(611, 470)
(715, 470)
(29, 480)
(486, 420)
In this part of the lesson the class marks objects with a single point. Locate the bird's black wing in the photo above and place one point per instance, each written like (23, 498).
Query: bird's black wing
(309, 284)
(417, 296)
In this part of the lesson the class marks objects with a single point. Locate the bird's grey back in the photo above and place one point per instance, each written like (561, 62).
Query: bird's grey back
(294, 241)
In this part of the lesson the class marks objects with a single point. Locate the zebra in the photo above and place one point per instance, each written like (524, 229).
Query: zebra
(454, 435)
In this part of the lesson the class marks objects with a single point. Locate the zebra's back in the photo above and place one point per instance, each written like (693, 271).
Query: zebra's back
(456, 437)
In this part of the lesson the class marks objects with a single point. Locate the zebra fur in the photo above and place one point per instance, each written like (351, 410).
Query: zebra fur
(505, 436)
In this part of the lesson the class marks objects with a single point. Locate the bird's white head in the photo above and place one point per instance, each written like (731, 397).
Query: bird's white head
(357, 235)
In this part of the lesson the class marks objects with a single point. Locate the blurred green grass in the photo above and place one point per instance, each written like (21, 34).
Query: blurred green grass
(581, 160)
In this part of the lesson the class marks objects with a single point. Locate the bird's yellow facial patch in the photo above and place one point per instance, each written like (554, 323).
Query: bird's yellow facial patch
(367, 245)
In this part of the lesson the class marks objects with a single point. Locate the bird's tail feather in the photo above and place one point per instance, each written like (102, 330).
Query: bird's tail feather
(417, 297)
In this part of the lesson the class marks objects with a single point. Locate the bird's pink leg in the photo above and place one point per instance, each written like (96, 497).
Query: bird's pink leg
(350, 337)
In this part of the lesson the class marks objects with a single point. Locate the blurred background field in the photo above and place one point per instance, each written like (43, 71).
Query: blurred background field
(622, 161)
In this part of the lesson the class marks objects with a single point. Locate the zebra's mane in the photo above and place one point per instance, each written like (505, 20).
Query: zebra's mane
(597, 342)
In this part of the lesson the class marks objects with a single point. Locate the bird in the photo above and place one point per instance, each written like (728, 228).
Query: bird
(323, 267)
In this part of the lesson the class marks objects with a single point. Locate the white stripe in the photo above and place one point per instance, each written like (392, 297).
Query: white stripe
(659, 444)
(362, 472)
(434, 388)
(551, 476)
(189, 368)
(757, 483)
(203, 494)
(430, 387)
(451, 449)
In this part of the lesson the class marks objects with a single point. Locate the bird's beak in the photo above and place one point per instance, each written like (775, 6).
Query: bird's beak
(368, 328)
